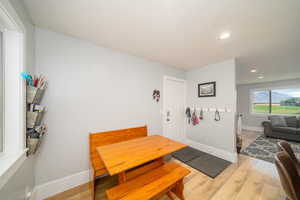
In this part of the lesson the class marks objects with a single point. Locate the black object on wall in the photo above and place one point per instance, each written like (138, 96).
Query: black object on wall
(156, 95)
(207, 89)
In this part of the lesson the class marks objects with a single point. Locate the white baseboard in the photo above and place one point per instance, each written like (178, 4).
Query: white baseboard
(231, 157)
(253, 128)
(60, 185)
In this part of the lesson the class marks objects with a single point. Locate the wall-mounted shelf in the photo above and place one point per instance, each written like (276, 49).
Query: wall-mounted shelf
(35, 129)
(212, 109)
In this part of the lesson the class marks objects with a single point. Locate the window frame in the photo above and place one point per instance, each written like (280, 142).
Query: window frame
(2, 150)
(14, 137)
(251, 111)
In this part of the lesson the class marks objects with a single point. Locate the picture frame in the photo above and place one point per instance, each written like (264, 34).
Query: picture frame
(207, 89)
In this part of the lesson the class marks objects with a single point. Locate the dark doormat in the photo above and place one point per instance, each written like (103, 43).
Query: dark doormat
(208, 164)
(187, 154)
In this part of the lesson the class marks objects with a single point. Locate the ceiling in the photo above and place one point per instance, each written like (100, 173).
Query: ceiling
(265, 34)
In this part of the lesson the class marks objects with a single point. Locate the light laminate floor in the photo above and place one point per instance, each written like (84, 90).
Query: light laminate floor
(248, 137)
(249, 179)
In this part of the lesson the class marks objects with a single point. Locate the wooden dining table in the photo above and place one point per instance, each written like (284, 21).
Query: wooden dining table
(123, 156)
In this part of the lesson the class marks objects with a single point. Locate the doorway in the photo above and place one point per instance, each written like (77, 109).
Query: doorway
(174, 108)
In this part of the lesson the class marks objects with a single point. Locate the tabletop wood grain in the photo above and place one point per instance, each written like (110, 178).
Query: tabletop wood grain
(122, 156)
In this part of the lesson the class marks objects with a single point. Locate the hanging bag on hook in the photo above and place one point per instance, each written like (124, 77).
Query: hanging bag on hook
(201, 115)
(195, 118)
(188, 114)
(217, 116)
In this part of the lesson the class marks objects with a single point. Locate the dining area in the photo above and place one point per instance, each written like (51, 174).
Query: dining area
(135, 167)
(137, 160)
(129, 164)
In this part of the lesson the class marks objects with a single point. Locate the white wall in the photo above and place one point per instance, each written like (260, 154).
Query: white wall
(217, 138)
(91, 89)
(251, 121)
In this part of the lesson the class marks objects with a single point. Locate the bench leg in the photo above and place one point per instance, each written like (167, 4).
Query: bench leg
(169, 194)
(178, 190)
(93, 189)
(92, 183)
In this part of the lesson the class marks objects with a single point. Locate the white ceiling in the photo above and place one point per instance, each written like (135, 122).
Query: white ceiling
(184, 33)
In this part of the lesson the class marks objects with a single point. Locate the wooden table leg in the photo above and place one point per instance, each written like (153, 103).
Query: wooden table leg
(154, 164)
(122, 177)
(161, 160)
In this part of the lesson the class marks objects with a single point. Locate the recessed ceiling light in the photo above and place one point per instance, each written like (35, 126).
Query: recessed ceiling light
(261, 77)
(253, 70)
(224, 35)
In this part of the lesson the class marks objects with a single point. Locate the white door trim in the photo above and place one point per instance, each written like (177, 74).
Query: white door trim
(165, 78)
(174, 79)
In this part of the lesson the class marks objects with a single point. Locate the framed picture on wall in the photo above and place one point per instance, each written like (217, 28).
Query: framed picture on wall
(207, 89)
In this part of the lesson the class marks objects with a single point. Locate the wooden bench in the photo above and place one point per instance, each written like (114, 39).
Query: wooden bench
(152, 184)
(104, 138)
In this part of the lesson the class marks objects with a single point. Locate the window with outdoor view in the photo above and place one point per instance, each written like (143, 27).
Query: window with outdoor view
(276, 101)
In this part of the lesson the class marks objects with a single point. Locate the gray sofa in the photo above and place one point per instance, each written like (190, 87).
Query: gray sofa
(282, 127)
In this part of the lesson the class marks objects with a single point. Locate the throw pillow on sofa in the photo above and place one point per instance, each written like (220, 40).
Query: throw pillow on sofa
(291, 121)
(278, 121)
